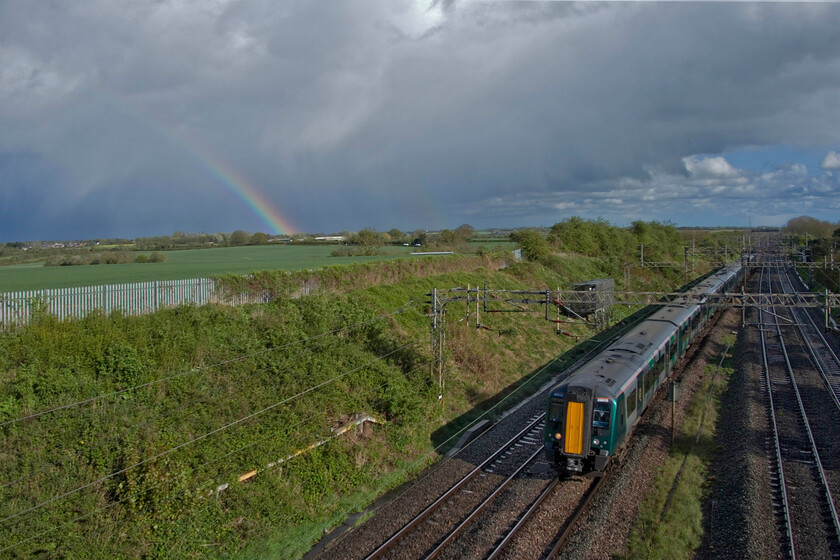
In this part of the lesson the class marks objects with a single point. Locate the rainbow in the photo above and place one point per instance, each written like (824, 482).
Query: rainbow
(237, 184)
(224, 173)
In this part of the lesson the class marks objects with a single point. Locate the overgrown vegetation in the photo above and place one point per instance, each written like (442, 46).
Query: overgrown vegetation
(176, 404)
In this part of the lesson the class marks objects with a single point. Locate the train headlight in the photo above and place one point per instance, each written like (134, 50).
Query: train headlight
(558, 435)
(596, 441)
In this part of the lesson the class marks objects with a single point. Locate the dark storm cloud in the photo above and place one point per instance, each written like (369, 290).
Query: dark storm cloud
(410, 114)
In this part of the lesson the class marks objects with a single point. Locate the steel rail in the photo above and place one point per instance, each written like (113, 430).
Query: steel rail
(806, 424)
(814, 450)
(567, 532)
(500, 548)
(463, 525)
(825, 359)
(776, 438)
(416, 520)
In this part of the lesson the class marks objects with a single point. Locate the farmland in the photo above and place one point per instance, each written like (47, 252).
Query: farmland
(192, 263)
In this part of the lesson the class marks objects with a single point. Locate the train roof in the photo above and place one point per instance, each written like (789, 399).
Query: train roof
(621, 360)
(616, 365)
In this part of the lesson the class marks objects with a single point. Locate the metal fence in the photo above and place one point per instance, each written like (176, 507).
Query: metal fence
(16, 308)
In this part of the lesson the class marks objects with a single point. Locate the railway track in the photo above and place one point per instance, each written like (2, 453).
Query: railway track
(824, 357)
(464, 501)
(804, 502)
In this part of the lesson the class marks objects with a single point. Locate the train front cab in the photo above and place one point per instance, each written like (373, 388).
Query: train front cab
(579, 431)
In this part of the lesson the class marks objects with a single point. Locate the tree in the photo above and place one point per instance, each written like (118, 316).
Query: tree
(465, 232)
(259, 238)
(534, 245)
(239, 237)
(396, 235)
(806, 225)
(368, 239)
(420, 237)
(446, 237)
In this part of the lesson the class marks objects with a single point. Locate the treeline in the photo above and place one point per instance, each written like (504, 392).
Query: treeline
(823, 238)
(368, 241)
(110, 257)
(811, 227)
(181, 240)
(598, 238)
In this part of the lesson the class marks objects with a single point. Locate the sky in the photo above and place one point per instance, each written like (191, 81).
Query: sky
(125, 118)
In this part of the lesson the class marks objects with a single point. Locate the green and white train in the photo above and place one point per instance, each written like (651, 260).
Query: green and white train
(592, 414)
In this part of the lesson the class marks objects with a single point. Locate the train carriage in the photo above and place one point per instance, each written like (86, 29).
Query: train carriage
(591, 415)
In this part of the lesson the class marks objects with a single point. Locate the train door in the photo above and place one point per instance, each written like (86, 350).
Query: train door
(575, 424)
(621, 423)
(632, 404)
(684, 337)
(672, 354)
(650, 381)
(661, 367)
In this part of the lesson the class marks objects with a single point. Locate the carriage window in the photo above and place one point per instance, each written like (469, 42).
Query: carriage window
(601, 418)
(631, 402)
(555, 410)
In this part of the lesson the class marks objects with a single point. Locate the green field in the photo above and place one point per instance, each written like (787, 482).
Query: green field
(194, 263)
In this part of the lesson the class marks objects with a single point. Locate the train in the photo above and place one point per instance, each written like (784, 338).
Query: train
(591, 415)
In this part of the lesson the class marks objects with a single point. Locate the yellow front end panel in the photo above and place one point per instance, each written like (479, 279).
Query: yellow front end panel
(574, 428)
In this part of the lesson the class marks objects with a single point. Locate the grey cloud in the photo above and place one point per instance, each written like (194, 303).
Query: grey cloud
(348, 114)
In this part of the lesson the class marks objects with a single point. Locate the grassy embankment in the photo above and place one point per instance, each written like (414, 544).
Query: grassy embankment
(669, 523)
(220, 391)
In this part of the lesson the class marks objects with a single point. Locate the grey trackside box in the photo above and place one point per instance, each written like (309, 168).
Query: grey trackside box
(595, 295)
